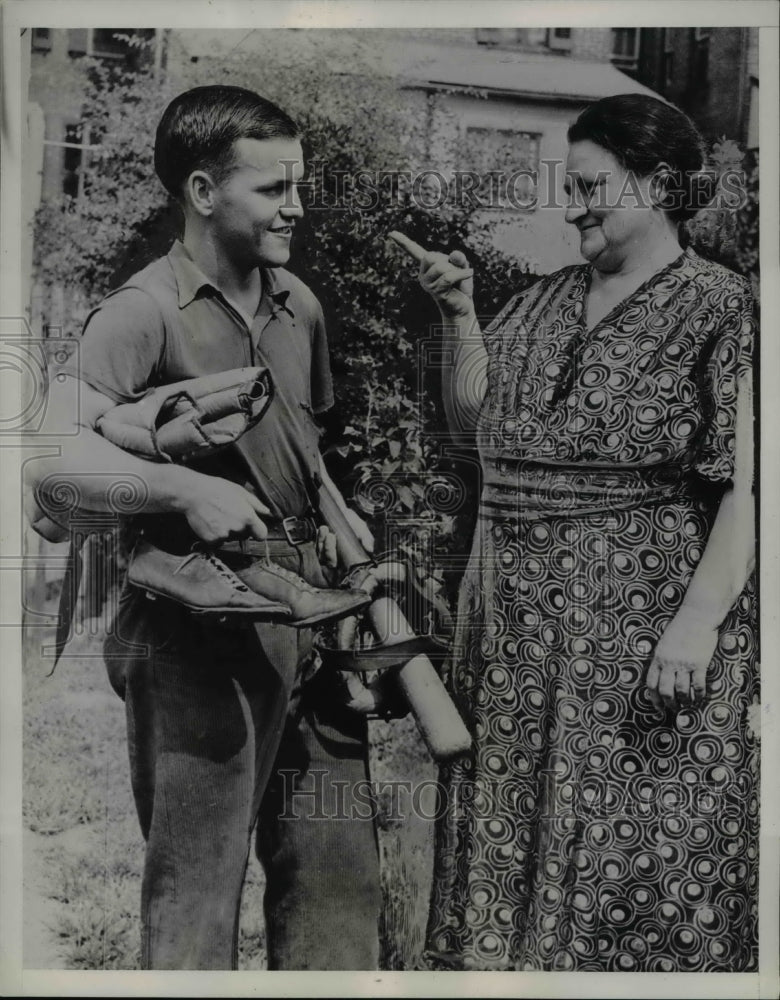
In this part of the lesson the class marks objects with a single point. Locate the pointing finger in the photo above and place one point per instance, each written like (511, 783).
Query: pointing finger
(412, 248)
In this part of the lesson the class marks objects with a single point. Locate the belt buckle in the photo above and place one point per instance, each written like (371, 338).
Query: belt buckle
(295, 529)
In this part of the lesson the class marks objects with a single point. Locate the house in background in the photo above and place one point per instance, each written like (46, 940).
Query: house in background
(711, 73)
(487, 97)
(490, 97)
(57, 88)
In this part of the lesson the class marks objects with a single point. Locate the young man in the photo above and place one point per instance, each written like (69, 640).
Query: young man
(222, 728)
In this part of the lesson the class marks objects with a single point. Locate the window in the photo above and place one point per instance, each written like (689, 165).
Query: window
(73, 160)
(700, 63)
(516, 38)
(668, 60)
(104, 43)
(559, 39)
(76, 147)
(507, 164)
(752, 126)
(41, 39)
(625, 47)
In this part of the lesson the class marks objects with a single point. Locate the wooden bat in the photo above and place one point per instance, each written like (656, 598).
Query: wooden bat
(436, 716)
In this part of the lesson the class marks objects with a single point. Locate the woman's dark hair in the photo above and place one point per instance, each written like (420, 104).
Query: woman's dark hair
(645, 134)
(199, 127)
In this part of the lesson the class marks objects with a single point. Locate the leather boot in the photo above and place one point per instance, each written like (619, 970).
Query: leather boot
(310, 605)
(201, 582)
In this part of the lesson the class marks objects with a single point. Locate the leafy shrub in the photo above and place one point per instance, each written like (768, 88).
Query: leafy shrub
(384, 426)
(728, 233)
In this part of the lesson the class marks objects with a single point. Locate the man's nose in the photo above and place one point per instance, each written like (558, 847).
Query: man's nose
(292, 207)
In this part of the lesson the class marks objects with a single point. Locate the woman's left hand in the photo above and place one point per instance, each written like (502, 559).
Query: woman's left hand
(677, 676)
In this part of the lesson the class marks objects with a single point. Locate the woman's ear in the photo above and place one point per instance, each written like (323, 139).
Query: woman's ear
(662, 187)
(199, 192)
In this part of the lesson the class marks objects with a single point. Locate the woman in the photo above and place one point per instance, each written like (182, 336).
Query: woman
(605, 656)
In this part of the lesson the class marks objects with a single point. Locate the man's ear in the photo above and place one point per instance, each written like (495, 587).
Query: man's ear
(199, 192)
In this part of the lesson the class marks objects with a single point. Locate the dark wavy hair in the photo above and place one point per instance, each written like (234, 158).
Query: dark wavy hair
(199, 128)
(646, 136)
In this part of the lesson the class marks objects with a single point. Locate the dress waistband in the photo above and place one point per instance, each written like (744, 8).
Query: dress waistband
(529, 490)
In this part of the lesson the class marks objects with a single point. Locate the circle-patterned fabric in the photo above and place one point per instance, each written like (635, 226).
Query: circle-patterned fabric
(589, 830)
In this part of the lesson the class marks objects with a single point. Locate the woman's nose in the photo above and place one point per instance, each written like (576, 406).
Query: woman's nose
(575, 209)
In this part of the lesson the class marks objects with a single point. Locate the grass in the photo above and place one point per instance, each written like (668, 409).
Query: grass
(405, 844)
(83, 852)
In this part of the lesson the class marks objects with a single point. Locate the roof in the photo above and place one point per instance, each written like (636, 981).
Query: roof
(544, 76)
(517, 73)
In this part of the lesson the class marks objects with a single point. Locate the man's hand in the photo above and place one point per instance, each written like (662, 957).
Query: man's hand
(326, 545)
(677, 677)
(360, 528)
(219, 510)
(380, 696)
(447, 279)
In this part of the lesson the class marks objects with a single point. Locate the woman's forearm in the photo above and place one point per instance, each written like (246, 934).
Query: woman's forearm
(464, 372)
(727, 561)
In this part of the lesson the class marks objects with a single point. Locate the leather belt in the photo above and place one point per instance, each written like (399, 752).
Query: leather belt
(293, 530)
(296, 530)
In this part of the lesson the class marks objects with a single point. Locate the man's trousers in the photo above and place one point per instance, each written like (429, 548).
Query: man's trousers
(221, 731)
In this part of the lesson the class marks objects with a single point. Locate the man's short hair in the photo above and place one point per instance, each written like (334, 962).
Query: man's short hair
(199, 128)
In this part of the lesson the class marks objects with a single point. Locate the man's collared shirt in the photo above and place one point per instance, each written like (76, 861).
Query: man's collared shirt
(170, 322)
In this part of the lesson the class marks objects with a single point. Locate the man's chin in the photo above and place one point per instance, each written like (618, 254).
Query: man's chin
(274, 260)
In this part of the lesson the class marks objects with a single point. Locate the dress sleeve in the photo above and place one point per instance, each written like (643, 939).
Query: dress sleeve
(725, 377)
(122, 346)
(500, 329)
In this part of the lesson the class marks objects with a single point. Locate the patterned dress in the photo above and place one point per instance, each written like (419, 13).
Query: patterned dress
(589, 830)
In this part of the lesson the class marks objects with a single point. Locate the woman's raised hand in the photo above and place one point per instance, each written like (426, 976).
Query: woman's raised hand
(447, 279)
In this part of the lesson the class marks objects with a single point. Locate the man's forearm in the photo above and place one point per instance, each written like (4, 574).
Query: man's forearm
(93, 468)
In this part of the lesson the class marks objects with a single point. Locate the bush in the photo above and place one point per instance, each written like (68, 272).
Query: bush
(728, 233)
(384, 427)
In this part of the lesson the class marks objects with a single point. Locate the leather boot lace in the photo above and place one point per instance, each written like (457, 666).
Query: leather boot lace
(218, 565)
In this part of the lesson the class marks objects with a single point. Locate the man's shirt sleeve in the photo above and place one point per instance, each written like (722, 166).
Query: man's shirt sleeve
(122, 347)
